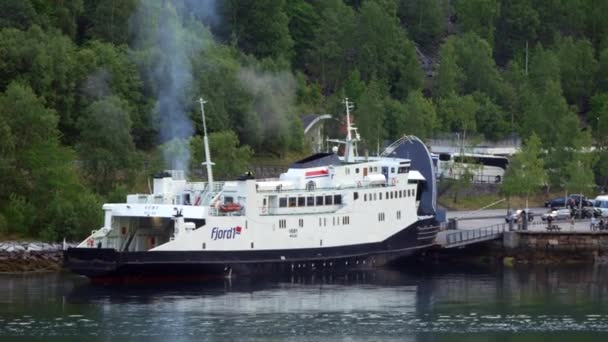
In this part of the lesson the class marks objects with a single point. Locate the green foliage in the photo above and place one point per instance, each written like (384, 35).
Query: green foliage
(230, 159)
(105, 146)
(526, 172)
(80, 83)
(107, 20)
(261, 27)
(424, 20)
(416, 116)
(42, 173)
(577, 69)
(478, 16)
(457, 113)
(16, 13)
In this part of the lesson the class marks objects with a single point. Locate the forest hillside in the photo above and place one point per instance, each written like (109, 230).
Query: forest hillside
(97, 95)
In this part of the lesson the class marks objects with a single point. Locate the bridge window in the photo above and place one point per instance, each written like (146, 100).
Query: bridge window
(228, 199)
(301, 201)
(357, 170)
(301, 222)
(356, 195)
(403, 169)
(310, 186)
(392, 170)
(282, 202)
(365, 197)
(375, 197)
(310, 201)
(292, 202)
(380, 196)
(328, 200)
(337, 199)
(319, 200)
(282, 224)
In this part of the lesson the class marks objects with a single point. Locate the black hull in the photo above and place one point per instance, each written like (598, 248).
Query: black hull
(109, 264)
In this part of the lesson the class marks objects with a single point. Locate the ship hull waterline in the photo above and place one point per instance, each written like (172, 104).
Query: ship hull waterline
(102, 264)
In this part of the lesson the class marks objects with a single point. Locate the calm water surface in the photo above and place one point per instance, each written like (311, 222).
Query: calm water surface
(568, 303)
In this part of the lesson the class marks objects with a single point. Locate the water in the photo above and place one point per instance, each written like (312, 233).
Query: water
(549, 303)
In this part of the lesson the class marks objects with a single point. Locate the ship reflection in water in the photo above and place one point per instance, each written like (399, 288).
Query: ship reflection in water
(553, 303)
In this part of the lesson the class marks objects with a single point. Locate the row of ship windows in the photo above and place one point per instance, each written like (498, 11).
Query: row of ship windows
(322, 221)
(390, 195)
(309, 201)
(401, 169)
(382, 216)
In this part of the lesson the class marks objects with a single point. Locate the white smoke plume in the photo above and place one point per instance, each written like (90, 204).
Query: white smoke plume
(274, 97)
(168, 35)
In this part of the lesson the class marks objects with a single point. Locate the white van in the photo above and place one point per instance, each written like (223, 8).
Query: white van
(601, 203)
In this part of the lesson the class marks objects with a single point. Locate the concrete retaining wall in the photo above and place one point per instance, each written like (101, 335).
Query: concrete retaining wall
(554, 246)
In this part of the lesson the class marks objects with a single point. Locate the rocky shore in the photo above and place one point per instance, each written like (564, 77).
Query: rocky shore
(25, 256)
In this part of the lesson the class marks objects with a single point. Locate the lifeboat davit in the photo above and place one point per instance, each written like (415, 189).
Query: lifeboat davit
(230, 207)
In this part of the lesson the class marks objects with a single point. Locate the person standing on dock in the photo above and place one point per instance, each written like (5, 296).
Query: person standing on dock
(592, 224)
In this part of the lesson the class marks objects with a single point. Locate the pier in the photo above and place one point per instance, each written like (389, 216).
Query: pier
(533, 242)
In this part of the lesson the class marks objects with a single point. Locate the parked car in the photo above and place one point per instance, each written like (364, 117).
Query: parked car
(556, 215)
(514, 216)
(560, 202)
(600, 204)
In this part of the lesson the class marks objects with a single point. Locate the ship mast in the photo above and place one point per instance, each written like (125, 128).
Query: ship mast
(350, 143)
(207, 161)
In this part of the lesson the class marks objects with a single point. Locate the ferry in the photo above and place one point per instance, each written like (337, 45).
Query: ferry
(326, 213)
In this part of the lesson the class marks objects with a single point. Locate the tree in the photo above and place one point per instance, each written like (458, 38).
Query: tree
(526, 172)
(424, 20)
(416, 116)
(384, 52)
(577, 69)
(449, 75)
(517, 24)
(457, 113)
(16, 13)
(370, 115)
(478, 16)
(303, 26)
(579, 168)
(39, 175)
(105, 145)
(261, 27)
(330, 59)
(230, 159)
(107, 20)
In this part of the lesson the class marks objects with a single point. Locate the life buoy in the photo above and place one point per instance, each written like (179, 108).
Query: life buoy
(90, 242)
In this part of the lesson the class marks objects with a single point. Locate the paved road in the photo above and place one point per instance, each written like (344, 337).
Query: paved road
(486, 218)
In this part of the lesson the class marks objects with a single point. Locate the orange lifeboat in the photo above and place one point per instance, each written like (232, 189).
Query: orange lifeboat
(230, 207)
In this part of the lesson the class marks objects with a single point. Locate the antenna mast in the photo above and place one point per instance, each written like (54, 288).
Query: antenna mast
(207, 161)
(350, 143)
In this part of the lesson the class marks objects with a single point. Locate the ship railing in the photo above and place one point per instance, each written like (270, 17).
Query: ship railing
(318, 189)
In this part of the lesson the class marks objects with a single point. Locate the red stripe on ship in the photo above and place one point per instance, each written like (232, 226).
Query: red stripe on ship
(318, 173)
